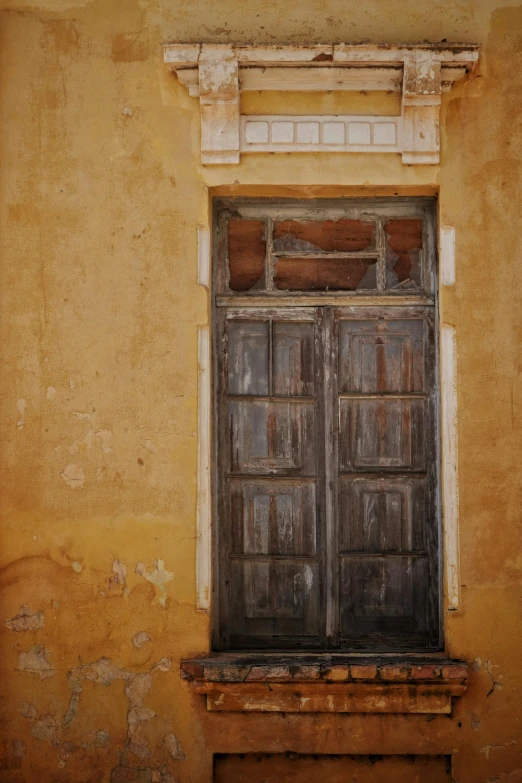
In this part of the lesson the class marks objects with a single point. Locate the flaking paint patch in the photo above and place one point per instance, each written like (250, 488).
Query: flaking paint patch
(51, 393)
(27, 710)
(102, 739)
(82, 415)
(486, 750)
(20, 407)
(105, 439)
(83, 445)
(140, 638)
(73, 475)
(159, 577)
(119, 573)
(35, 662)
(45, 728)
(137, 685)
(26, 620)
(18, 748)
(174, 747)
(150, 446)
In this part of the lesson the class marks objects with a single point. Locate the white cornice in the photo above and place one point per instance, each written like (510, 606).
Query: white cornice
(218, 73)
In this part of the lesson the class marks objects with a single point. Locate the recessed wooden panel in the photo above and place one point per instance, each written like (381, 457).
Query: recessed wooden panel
(324, 235)
(269, 437)
(248, 357)
(325, 274)
(246, 254)
(293, 359)
(403, 253)
(300, 768)
(381, 434)
(381, 356)
(272, 597)
(273, 517)
(382, 515)
(384, 597)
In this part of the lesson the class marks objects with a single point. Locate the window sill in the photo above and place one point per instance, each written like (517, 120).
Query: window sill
(327, 683)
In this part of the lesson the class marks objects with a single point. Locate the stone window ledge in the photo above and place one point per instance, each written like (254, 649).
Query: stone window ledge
(327, 683)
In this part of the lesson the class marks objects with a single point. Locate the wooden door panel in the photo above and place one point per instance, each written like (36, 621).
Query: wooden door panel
(274, 598)
(381, 356)
(293, 359)
(273, 517)
(272, 437)
(384, 597)
(248, 357)
(381, 434)
(382, 515)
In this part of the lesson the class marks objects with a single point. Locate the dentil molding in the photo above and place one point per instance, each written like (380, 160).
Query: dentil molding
(218, 73)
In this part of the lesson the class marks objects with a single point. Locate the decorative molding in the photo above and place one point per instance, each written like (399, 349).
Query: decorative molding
(217, 74)
(320, 133)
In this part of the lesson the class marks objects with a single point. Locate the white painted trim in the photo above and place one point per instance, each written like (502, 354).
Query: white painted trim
(203, 542)
(450, 484)
(183, 55)
(447, 255)
(204, 256)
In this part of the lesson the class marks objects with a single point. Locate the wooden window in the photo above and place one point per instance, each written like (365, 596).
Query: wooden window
(327, 532)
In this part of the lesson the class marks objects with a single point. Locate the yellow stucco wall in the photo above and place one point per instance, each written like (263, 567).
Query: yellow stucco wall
(101, 191)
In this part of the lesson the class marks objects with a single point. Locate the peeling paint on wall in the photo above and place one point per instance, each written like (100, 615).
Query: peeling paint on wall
(159, 577)
(140, 638)
(26, 620)
(20, 407)
(35, 661)
(119, 573)
(73, 476)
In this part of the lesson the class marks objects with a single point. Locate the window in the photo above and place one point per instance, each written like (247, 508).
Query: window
(327, 532)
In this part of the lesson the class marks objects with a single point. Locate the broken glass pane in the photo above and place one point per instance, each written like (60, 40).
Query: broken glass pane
(403, 254)
(246, 255)
(325, 274)
(326, 235)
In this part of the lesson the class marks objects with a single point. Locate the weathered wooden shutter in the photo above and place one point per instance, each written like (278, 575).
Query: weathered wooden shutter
(385, 472)
(272, 478)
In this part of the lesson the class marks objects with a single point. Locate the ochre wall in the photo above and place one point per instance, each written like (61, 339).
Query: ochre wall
(101, 191)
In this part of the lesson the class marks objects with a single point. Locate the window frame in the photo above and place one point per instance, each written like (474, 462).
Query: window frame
(389, 207)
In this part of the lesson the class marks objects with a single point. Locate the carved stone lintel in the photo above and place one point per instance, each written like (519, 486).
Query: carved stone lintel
(218, 73)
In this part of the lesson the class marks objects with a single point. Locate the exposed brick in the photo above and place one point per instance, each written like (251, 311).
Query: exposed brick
(191, 670)
(306, 672)
(269, 673)
(426, 672)
(225, 673)
(337, 673)
(363, 672)
(395, 672)
(454, 672)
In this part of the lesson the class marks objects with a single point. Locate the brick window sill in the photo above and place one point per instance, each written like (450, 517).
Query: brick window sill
(327, 683)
